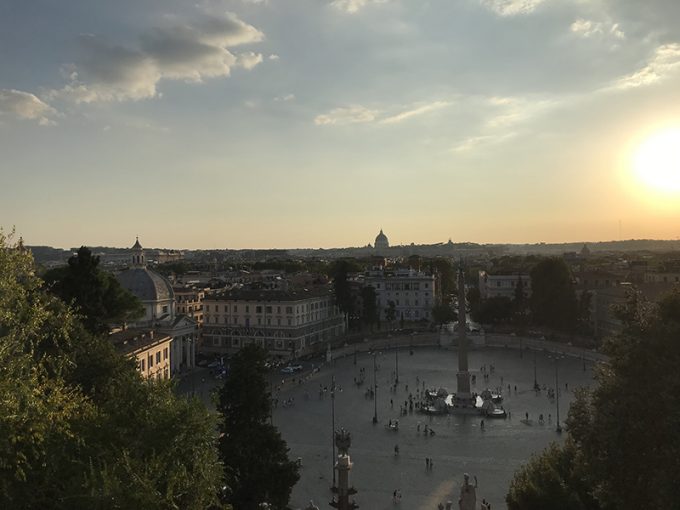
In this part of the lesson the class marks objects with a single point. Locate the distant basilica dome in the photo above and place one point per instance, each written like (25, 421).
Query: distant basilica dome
(381, 241)
(154, 291)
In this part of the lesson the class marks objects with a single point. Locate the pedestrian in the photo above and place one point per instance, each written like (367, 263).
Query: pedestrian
(391, 404)
(427, 463)
(526, 415)
(482, 424)
(418, 427)
(440, 506)
(431, 464)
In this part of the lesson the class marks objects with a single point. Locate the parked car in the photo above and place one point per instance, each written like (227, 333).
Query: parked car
(287, 370)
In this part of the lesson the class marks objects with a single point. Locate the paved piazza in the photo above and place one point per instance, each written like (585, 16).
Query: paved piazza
(459, 444)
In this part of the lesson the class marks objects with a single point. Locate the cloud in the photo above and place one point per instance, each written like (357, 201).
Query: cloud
(511, 7)
(665, 61)
(286, 98)
(191, 52)
(413, 112)
(274, 56)
(360, 114)
(342, 116)
(354, 6)
(249, 60)
(26, 106)
(588, 29)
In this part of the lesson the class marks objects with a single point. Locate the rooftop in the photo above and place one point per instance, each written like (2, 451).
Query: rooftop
(270, 295)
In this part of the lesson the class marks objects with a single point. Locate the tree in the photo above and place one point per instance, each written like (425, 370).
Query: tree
(390, 313)
(442, 314)
(494, 310)
(553, 298)
(370, 306)
(519, 304)
(341, 287)
(79, 428)
(254, 454)
(623, 449)
(95, 293)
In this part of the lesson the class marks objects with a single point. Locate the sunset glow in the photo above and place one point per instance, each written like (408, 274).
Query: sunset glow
(657, 161)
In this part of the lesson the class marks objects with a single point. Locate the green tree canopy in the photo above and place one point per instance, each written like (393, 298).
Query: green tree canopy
(79, 428)
(369, 300)
(553, 298)
(623, 447)
(443, 313)
(253, 452)
(341, 287)
(93, 292)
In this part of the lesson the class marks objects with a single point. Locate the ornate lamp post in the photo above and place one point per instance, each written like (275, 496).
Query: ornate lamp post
(557, 358)
(536, 386)
(396, 362)
(375, 390)
(333, 429)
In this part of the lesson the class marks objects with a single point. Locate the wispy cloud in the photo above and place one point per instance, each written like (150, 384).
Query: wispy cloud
(413, 112)
(664, 61)
(355, 114)
(26, 106)
(191, 52)
(589, 29)
(511, 7)
(354, 6)
(360, 114)
(285, 98)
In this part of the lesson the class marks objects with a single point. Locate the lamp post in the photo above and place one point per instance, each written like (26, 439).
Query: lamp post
(396, 362)
(558, 428)
(521, 351)
(333, 429)
(355, 354)
(536, 387)
(583, 358)
(375, 390)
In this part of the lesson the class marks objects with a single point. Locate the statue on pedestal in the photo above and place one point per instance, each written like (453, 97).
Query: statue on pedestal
(468, 494)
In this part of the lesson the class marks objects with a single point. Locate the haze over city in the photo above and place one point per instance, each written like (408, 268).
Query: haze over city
(261, 124)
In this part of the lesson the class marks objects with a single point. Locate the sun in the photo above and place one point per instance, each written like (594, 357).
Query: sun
(656, 161)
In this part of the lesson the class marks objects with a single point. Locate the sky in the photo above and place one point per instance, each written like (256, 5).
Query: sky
(315, 123)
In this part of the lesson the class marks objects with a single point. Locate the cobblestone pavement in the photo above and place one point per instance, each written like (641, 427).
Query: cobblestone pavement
(459, 445)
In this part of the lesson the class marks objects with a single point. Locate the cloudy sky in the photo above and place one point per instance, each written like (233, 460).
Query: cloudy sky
(314, 123)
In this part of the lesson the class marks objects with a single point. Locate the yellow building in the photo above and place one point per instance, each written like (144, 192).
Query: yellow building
(150, 349)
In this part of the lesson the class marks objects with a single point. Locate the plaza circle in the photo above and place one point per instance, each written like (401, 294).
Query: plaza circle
(460, 445)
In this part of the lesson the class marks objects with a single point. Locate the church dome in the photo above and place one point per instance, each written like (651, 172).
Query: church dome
(381, 241)
(146, 285)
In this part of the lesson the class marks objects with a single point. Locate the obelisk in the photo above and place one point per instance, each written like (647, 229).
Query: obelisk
(463, 395)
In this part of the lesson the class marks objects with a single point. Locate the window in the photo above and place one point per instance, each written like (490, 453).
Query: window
(278, 309)
(150, 360)
(235, 308)
(278, 322)
(247, 309)
(165, 353)
(268, 309)
(158, 357)
(235, 320)
(289, 310)
(216, 341)
(290, 322)
(234, 342)
(165, 308)
(258, 309)
(259, 321)
(142, 365)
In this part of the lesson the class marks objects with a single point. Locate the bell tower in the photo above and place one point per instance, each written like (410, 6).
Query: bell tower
(138, 258)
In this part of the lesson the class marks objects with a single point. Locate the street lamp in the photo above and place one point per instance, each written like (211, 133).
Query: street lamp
(355, 354)
(536, 386)
(375, 390)
(558, 429)
(333, 429)
(521, 351)
(396, 362)
(583, 358)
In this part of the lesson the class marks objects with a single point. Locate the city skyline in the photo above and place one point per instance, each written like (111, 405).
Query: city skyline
(263, 124)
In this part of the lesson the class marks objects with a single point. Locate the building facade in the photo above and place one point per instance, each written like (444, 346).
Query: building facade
(158, 299)
(502, 285)
(283, 322)
(413, 292)
(150, 349)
